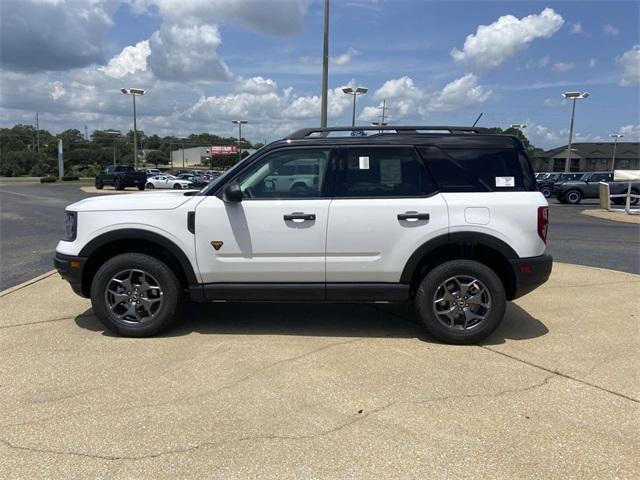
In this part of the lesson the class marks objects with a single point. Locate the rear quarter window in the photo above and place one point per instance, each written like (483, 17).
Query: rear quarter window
(479, 169)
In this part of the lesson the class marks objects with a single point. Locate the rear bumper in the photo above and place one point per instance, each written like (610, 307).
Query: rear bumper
(530, 273)
(70, 268)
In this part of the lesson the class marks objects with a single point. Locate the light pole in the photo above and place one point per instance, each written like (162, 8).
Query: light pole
(615, 136)
(115, 134)
(325, 66)
(355, 92)
(239, 123)
(573, 96)
(134, 92)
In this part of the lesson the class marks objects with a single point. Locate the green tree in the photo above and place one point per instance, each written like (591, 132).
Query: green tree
(157, 157)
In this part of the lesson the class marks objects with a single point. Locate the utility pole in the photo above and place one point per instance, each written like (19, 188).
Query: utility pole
(325, 66)
(134, 92)
(239, 123)
(38, 131)
(572, 96)
(86, 133)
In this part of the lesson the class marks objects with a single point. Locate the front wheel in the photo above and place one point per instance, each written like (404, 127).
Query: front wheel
(141, 187)
(546, 191)
(573, 197)
(461, 301)
(177, 186)
(117, 184)
(150, 186)
(135, 295)
(99, 184)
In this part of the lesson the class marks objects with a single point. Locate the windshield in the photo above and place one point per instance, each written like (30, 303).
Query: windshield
(221, 179)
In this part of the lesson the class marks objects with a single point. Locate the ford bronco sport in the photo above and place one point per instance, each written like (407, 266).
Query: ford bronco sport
(448, 218)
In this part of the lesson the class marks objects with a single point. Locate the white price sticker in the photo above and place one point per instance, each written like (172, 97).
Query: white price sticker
(363, 163)
(505, 182)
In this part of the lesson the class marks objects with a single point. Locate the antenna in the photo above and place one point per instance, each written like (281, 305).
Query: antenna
(474, 123)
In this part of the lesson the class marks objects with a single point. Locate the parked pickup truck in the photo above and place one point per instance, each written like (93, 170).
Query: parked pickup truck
(587, 187)
(546, 182)
(121, 176)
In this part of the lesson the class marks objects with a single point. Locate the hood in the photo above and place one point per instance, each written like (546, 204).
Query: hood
(133, 201)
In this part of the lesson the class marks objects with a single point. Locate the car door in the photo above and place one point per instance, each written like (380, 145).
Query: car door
(271, 236)
(385, 206)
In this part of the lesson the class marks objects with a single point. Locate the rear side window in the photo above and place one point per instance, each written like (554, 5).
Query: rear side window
(479, 169)
(382, 172)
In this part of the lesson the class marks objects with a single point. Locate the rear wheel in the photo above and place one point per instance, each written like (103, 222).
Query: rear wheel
(150, 186)
(573, 197)
(99, 184)
(140, 187)
(461, 301)
(176, 186)
(135, 295)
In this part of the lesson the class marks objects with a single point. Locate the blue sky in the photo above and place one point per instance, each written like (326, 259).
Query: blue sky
(205, 62)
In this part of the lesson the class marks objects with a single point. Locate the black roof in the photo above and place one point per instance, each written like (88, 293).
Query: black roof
(445, 136)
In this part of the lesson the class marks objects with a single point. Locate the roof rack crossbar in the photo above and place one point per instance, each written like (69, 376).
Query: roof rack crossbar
(324, 132)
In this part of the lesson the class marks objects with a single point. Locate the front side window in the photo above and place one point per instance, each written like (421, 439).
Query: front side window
(382, 172)
(290, 173)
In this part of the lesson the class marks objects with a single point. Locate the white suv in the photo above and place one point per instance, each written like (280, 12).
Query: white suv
(446, 217)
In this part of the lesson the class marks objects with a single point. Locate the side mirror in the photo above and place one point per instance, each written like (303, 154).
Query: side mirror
(232, 193)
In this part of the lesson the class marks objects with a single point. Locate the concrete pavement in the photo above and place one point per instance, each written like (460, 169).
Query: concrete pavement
(324, 391)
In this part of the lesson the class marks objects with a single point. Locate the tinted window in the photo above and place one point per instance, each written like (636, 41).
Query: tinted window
(382, 172)
(479, 169)
(601, 177)
(274, 176)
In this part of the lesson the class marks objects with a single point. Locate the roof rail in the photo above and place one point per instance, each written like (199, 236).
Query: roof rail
(399, 129)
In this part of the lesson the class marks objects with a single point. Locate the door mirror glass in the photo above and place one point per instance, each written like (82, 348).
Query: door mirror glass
(232, 193)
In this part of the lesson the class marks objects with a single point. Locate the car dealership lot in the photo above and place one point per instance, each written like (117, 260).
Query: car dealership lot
(328, 391)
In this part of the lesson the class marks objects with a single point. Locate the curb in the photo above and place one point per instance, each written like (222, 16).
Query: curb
(9, 290)
(619, 217)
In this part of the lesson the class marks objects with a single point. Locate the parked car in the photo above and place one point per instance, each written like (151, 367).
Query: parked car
(152, 172)
(545, 185)
(168, 181)
(195, 180)
(210, 175)
(587, 187)
(121, 176)
(400, 217)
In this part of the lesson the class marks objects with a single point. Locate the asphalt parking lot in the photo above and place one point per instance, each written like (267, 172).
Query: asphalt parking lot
(31, 223)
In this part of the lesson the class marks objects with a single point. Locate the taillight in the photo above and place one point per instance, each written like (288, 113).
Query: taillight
(543, 223)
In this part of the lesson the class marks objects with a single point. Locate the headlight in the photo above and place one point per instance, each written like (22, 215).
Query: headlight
(70, 226)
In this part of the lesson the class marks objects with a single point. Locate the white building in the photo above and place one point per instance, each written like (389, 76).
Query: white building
(188, 157)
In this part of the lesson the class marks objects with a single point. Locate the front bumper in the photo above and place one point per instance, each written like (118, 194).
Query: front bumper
(530, 273)
(70, 268)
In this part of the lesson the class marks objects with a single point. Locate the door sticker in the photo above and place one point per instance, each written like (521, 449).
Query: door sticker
(363, 163)
(505, 182)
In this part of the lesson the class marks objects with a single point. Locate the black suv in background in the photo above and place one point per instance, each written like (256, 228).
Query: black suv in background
(546, 182)
(121, 176)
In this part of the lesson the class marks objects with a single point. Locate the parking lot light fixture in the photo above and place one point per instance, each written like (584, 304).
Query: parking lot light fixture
(355, 92)
(134, 92)
(115, 134)
(518, 126)
(239, 123)
(572, 96)
(615, 137)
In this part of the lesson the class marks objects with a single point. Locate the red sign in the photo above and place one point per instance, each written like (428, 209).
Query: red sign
(222, 150)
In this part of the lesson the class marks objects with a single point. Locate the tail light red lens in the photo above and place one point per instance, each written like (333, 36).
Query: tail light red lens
(543, 223)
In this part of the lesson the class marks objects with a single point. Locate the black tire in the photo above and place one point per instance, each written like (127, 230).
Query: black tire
(299, 189)
(177, 186)
(156, 270)
(546, 191)
(573, 197)
(150, 186)
(140, 187)
(432, 284)
(99, 184)
(117, 184)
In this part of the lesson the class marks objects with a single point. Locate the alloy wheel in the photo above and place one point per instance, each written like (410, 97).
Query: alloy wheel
(133, 296)
(462, 303)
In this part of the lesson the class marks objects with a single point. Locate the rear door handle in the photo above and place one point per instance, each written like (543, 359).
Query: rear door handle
(299, 216)
(413, 216)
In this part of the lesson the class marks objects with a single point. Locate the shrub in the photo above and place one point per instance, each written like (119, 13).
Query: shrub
(70, 178)
(48, 179)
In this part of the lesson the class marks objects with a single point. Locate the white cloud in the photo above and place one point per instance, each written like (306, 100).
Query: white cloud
(592, 63)
(548, 102)
(462, 92)
(562, 67)
(187, 53)
(576, 28)
(256, 85)
(630, 62)
(344, 58)
(57, 91)
(492, 44)
(281, 17)
(631, 133)
(537, 62)
(132, 59)
(611, 30)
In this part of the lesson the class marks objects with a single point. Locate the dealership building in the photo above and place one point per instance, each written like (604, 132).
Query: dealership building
(188, 157)
(589, 157)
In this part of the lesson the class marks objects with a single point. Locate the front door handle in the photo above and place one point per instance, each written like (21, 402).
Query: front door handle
(413, 216)
(299, 216)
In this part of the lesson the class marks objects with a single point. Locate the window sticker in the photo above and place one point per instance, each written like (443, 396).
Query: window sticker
(363, 163)
(505, 182)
